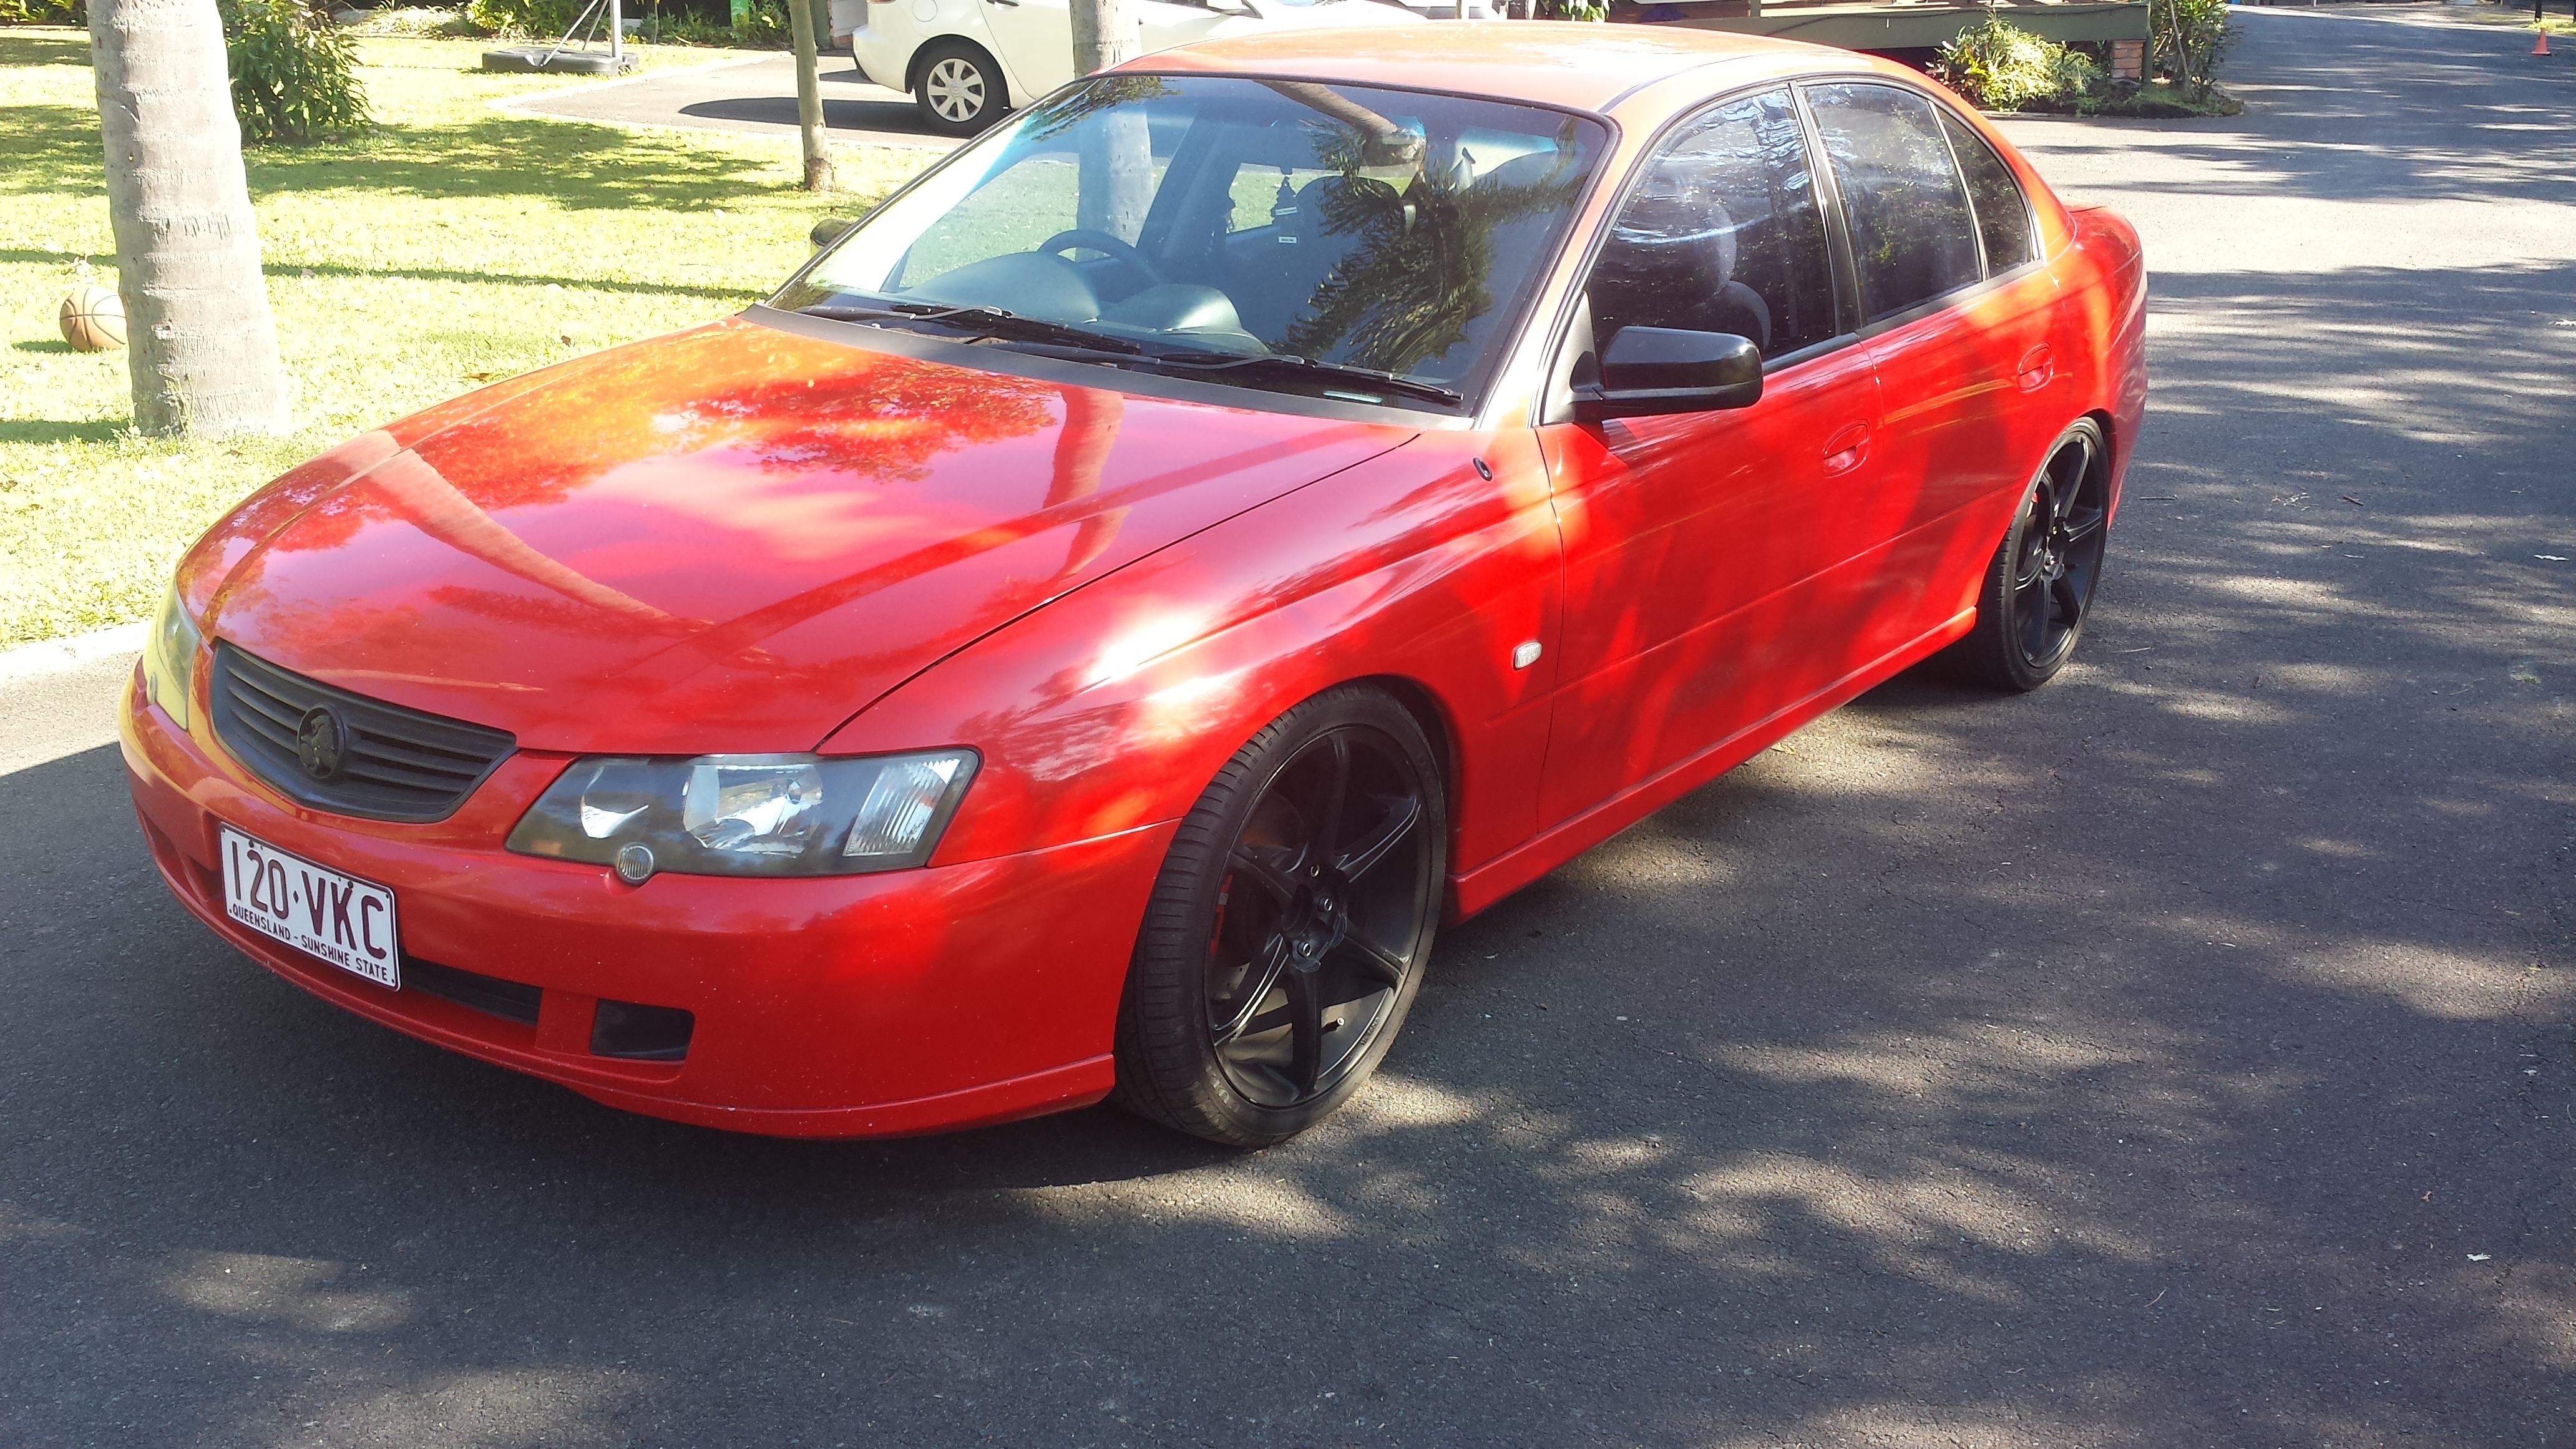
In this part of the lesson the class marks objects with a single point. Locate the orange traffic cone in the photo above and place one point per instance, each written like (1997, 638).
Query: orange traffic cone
(2540, 42)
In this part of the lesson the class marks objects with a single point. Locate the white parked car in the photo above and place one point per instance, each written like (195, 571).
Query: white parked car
(967, 61)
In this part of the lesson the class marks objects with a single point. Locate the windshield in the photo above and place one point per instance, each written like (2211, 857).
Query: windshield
(1336, 240)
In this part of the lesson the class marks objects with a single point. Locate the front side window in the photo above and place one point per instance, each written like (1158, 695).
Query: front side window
(1722, 234)
(1286, 235)
(1912, 233)
(2003, 214)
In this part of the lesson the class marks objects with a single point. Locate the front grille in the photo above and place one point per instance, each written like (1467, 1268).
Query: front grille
(490, 995)
(395, 763)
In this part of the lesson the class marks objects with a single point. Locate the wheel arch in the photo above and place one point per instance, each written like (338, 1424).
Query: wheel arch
(1431, 712)
(2115, 452)
(922, 54)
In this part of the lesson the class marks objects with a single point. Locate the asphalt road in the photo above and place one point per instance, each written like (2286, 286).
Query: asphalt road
(757, 97)
(2181, 1055)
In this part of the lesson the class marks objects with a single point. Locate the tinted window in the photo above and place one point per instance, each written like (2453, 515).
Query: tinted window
(1392, 231)
(2003, 217)
(1722, 234)
(1912, 232)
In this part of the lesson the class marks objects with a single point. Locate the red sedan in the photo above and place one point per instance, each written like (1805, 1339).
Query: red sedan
(1087, 631)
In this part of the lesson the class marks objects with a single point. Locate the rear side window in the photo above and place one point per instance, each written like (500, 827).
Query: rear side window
(2003, 215)
(1912, 231)
(1722, 234)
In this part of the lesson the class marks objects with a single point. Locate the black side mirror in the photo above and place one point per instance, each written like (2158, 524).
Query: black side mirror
(1648, 371)
(828, 230)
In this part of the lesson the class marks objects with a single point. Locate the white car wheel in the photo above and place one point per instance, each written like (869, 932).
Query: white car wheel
(961, 91)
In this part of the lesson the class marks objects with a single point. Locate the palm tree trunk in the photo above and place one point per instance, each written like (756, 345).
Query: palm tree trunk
(1104, 34)
(809, 96)
(1115, 154)
(202, 348)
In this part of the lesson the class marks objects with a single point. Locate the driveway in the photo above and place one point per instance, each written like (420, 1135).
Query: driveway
(757, 97)
(2181, 1055)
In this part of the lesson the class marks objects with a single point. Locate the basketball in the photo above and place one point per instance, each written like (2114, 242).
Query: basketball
(93, 319)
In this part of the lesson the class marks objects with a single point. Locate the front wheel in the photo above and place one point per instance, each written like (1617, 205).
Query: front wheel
(961, 90)
(2030, 608)
(1287, 933)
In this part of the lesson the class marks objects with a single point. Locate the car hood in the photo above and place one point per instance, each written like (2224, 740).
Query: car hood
(728, 539)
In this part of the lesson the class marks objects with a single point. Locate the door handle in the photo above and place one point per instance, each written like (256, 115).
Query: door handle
(2037, 366)
(1843, 451)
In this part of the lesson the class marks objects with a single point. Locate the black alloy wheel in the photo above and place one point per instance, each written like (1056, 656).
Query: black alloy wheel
(2030, 609)
(1287, 933)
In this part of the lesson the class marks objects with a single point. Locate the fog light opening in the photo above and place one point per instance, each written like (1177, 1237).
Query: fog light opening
(641, 1033)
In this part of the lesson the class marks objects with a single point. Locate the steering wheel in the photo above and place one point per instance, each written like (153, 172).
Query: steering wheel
(1108, 246)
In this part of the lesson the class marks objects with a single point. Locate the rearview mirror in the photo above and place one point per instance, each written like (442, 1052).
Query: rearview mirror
(828, 230)
(1648, 371)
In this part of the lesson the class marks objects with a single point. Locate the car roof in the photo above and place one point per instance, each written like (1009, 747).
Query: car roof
(1555, 62)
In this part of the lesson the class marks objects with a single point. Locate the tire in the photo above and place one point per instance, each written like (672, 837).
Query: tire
(959, 90)
(2032, 602)
(1275, 966)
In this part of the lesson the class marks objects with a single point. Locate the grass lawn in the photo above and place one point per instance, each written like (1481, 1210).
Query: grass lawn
(453, 245)
(2512, 16)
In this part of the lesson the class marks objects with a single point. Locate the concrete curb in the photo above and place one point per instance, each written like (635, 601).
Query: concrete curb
(65, 655)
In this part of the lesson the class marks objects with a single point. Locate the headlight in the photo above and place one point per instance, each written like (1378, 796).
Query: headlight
(748, 814)
(170, 658)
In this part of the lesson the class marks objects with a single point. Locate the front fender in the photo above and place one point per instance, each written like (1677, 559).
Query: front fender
(1114, 706)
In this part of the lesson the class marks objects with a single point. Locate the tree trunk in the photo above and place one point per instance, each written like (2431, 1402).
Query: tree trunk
(809, 97)
(1104, 34)
(202, 350)
(1115, 153)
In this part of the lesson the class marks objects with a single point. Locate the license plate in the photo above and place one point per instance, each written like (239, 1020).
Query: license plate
(318, 911)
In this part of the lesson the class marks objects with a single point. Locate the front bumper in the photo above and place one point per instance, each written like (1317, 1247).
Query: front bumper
(840, 1007)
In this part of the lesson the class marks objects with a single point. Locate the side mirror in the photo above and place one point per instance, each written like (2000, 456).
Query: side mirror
(828, 230)
(1649, 371)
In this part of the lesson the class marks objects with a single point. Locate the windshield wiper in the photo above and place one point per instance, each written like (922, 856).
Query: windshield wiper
(994, 322)
(1309, 368)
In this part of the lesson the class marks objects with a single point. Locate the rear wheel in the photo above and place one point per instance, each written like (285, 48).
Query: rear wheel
(961, 90)
(1287, 933)
(2030, 609)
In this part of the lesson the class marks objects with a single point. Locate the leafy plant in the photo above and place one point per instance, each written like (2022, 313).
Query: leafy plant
(295, 76)
(2186, 40)
(528, 19)
(2002, 67)
(765, 25)
(44, 12)
(1572, 9)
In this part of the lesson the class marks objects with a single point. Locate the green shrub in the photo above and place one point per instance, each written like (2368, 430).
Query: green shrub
(766, 25)
(2187, 39)
(2001, 67)
(531, 19)
(294, 75)
(44, 12)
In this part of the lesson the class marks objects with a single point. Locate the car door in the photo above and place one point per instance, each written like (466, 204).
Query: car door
(1691, 540)
(1956, 311)
(1034, 41)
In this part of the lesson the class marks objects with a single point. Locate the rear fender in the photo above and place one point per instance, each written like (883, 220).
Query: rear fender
(2105, 276)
